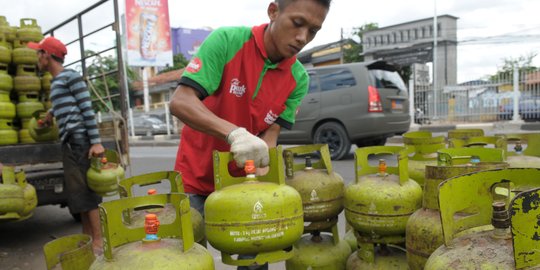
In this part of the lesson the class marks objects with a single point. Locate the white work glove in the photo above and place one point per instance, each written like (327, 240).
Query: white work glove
(245, 145)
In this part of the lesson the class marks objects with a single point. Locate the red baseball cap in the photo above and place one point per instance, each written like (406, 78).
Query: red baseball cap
(51, 45)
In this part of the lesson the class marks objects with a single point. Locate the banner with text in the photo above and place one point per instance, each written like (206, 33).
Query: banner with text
(148, 33)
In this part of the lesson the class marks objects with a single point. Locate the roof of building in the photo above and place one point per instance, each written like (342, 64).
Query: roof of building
(166, 77)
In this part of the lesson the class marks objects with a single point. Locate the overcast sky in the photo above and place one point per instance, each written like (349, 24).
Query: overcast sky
(488, 30)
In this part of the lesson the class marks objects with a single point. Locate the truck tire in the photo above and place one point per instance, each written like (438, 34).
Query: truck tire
(335, 135)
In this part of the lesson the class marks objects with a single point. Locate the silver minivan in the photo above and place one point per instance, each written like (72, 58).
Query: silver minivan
(361, 103)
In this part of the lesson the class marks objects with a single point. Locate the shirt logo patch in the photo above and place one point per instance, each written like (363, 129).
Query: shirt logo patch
(194, 65)
(236, 88)
(270, 118)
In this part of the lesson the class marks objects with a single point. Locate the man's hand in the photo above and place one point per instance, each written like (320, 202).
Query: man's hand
(96, 150)
(48, 121)
(245, 145)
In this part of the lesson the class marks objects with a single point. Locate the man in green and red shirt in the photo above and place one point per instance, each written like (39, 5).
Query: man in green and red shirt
(241, 87)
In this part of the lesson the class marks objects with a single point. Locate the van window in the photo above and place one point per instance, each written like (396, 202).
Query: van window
(387, 79)
(313, 84)
(335, 78)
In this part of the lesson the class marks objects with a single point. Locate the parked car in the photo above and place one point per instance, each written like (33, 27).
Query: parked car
(529, 109)
(361, 103)
(148, 125)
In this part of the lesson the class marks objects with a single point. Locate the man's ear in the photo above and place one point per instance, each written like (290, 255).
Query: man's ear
(273, 11)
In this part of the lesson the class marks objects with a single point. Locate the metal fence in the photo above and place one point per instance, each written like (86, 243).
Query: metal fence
(488, 100)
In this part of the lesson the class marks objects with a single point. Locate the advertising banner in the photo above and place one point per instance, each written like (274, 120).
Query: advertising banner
(148, 33)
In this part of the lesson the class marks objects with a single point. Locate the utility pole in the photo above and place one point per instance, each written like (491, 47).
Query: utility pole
(435, 89)
(341, 47)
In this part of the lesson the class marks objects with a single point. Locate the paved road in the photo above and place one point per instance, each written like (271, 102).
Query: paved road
(21, 243)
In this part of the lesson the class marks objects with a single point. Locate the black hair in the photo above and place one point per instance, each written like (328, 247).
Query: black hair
(57, 59)
(283, 3)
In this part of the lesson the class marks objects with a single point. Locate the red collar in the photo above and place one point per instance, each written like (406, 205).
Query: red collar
(258, 34)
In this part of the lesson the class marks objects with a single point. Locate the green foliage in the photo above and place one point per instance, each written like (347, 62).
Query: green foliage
(179, 61)
(103, 77)
(523, 63)
(352, 50)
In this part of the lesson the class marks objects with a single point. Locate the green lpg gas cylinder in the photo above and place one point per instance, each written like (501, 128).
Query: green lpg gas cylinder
(255, 215)
(7, 108)
(8, 135)
(319, 251)
(72, 252)
(465, 133)
(29, 192)
(9, 32)
(378, 257)
(39, 131)
(28, 104)
(135, 218)
(5, 50)
(425, 148)
(12, 201)
(6, 82)
(104, 173)
(320, 187)
(525, 152)
(424, 232)
(470, 201)
(152, 247)
(22, 55)
(29, 30)
(46, 82)
(381, 200)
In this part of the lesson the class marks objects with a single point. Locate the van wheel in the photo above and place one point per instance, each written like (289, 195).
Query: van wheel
(335, 136)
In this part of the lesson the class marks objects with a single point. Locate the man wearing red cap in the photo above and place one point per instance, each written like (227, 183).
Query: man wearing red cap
(72, 107)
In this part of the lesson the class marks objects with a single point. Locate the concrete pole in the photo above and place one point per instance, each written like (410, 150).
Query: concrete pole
(130, 119)
(411, 101)
(145, 90)
(435, 86)
(167, 121)
(515, 116)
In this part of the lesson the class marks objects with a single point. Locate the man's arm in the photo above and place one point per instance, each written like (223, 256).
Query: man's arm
(186, 105)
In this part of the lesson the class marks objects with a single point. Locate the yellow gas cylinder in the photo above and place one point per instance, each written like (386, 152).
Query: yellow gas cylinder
(6, 82)
(7, 108)
(29, 30)
(378, 206)
(22, 55)
(12, 201)
(9, 32)
(72, 252)
(473, 200)
(104, 173)
(8, 135)
(381, 200)
(5, 51)
(253, 215)
(135, 218)
(320, 250)
(320, 187)
(424, 147)
(157, 245)
(29, 192)
(526, 150)
(39, 131)
(423, 232)
(464, 133)
(46, 82)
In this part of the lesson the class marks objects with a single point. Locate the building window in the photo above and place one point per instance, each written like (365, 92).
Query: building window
(438, 29)
(405, 34)
(423, 34)
(415, 33)
(431, 30)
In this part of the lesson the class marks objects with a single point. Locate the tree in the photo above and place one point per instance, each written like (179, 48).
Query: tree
(179, 61)
(352, 50)
(523, 63)
(103, 79)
